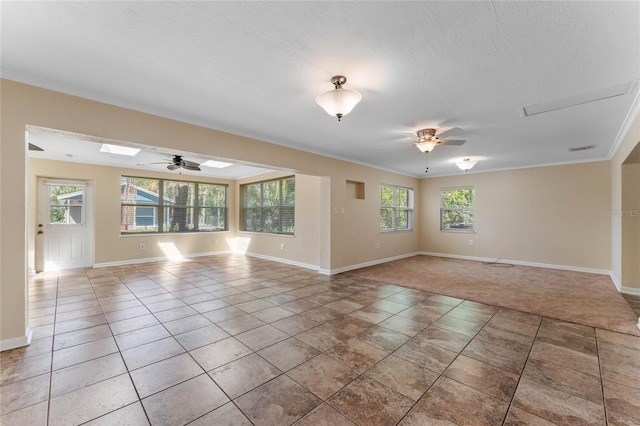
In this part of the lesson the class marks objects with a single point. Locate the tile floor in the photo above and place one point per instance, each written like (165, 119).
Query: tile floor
(231, 340)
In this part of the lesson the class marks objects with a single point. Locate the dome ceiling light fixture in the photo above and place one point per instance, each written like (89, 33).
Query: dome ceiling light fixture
(339, 101)
(466, 164)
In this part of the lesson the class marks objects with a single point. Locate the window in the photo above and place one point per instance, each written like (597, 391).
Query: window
(396, 208)
(66, 205)
(158, 205)
(269, 206)
(456, 209)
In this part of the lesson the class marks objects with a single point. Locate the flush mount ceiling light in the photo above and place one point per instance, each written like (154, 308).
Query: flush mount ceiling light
(466, 164)
(339, 101)
(119, 150)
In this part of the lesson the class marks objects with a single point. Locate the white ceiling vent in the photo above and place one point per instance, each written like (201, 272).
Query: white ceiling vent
(595, 95)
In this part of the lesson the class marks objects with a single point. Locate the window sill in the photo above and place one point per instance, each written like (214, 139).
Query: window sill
(266, 233)
(164, 234)
(395, 231)
(459, 231)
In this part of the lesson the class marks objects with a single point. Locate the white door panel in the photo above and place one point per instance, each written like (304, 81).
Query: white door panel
(64, 237)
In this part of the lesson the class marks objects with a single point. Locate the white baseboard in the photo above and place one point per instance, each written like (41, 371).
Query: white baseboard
(159, 259)
(630, 290)
(280, 260)
(521, 263)
(17, 342)
(365, 264)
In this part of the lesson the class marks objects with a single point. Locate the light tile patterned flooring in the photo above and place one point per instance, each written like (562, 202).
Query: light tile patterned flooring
(232, 340)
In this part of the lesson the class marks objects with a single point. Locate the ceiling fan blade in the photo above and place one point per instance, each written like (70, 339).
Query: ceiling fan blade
(173, 167)
(410, 135)
(160, 162)
(451, 132)
(453, 142)
(189, 163)
(33, 147)
(191, 167)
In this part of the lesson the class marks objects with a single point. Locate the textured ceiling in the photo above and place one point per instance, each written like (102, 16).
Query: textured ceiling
(255, 68)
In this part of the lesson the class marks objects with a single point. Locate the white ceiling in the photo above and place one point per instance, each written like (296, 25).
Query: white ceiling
(255, 69)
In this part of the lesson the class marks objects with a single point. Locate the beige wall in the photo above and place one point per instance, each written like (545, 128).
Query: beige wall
(629, 142)
(549, 215)
(110, 246)
(631, 226)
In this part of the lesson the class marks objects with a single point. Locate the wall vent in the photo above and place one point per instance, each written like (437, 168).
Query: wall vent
(582, 148)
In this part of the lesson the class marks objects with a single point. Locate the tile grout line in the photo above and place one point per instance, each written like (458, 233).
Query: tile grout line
(604, 400)
(523, 368)
(53, 339)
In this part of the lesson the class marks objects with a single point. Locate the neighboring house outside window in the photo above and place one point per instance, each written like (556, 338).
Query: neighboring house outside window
(159, 205)
(268, 206)
(396, 208)
(456, 209)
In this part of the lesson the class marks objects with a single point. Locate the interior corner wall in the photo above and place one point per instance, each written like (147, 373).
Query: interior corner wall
(554, 215)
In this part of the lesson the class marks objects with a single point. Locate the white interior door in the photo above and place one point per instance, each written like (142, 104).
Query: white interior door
(64, 238)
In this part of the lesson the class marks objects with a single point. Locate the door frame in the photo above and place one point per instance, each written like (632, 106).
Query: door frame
(89, 219)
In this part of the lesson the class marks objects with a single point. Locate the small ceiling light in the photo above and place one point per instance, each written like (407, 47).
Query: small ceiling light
(216, 164)
(119, 150)
(340, 101)
(466, 164)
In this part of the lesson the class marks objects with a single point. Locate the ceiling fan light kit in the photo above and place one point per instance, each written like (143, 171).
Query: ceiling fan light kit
(339, 101)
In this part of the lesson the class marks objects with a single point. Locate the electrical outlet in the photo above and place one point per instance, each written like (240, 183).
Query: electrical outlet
(377, 245)
(282, 246)
(142, 246)
(470, 242)
(215, 241)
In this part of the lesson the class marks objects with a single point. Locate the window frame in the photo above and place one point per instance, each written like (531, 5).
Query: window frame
(262, 208)
(394, 208)
(468, 230)
(161, 207)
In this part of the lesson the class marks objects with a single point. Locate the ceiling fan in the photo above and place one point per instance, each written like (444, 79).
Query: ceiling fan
(178, 162)
(427, 139)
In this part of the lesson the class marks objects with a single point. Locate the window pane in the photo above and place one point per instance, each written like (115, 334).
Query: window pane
(287, 220)
(402, 219)
(135, 190)
(253, 195)
(457, 198)
(212, 219)
(457, 209)
(402, 197)
(386, 219)
(289, 192)
(212, 195)
(386, 196)
(252, 219)
(271, 193)
(138, 219)
(66, 204)
(178, 219)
